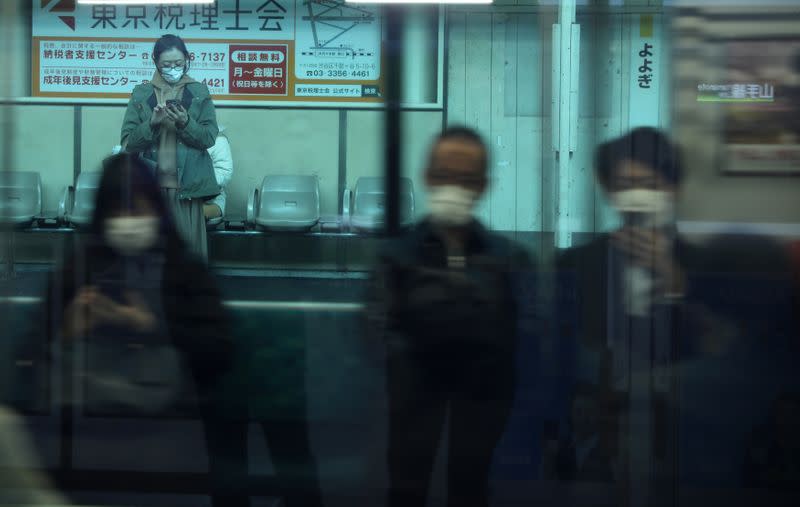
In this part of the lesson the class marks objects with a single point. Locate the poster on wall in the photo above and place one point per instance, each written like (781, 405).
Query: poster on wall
(761, 101)
(310, 52)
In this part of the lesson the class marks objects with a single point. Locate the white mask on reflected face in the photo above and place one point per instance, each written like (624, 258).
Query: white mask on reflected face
(131, 235)
(451, 205)
(172, 75)
(645, 207)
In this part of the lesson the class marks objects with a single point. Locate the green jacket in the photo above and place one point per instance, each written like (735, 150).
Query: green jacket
(196, 177)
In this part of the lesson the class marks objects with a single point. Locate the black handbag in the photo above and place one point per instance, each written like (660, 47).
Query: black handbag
(132, 373)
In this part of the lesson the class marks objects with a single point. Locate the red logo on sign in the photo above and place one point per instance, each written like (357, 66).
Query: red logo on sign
(259, 70)
(62, 6)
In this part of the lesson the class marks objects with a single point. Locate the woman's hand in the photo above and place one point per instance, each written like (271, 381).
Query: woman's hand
(91, 308)
(77, 321)
(159, 113)
(211, 210)
(177, 114)
(137, 314)
(106, 311)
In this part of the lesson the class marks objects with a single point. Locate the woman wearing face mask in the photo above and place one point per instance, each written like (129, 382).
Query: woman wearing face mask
(135, 276)
(171, 122)
(146, 313)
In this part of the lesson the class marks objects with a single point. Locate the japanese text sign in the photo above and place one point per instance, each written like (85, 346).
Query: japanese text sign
(255, 50)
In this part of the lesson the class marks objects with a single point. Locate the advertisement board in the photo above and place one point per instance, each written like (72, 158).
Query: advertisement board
(282, 51)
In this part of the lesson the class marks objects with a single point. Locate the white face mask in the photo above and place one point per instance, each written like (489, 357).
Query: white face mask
(451, 205)
(644, 207)
(131, 235)
(172, 75)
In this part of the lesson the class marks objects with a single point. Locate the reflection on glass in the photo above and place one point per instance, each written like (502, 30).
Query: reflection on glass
(592, 298)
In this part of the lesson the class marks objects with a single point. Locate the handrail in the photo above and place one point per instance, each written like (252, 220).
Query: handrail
(319, 306)
(316, 306)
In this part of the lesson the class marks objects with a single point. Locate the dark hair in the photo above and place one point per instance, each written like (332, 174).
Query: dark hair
(167, 42)
(463, 133)
(125, 178)
(645, 145)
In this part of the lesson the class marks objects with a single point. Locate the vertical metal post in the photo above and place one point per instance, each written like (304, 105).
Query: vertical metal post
(77, 136)
(420, 39)
(443, 22)
(342, 243)
(342, 169)
(394, 16)
(566, 64)
(8, 16)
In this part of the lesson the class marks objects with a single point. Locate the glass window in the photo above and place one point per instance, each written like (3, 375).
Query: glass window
(339, 251)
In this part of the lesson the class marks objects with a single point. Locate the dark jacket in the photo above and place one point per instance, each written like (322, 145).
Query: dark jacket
(449, 319)
(724, 265)
(585, 273)
(726, 340)
(597, 465)
(195, 169)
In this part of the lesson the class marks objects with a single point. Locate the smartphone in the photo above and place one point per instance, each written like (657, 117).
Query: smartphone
(173, 102)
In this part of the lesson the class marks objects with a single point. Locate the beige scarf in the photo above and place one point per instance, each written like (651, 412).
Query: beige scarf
(168, 141)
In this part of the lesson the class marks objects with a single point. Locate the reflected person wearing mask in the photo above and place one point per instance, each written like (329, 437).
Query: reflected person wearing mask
(645, 200)
(654, 306)
(145, 313)
(443, 304)
(626, 272)
(628, 287)
(133, 281)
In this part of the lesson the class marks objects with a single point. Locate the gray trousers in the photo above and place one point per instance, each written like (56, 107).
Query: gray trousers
(190, 221)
